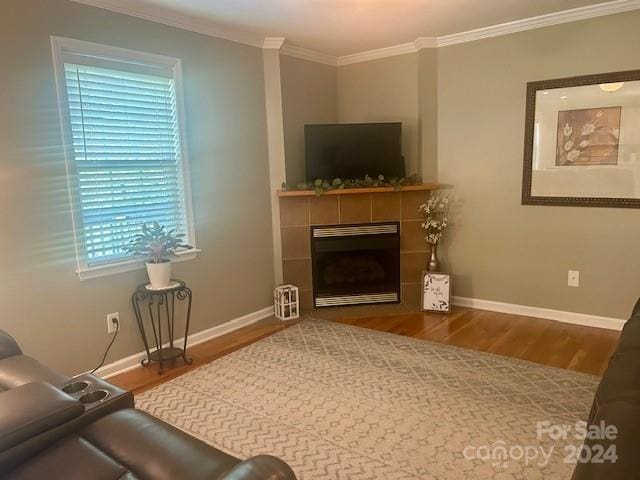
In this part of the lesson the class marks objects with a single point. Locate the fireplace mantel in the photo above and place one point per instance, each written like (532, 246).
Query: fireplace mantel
(351, 191)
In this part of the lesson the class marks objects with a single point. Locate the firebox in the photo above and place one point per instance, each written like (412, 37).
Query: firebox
(355, 264)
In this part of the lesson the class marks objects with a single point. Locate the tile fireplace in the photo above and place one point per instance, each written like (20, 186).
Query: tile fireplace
(302, 211)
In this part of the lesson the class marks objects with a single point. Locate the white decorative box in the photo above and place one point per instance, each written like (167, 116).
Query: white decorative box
(436, 292)
(286, 302)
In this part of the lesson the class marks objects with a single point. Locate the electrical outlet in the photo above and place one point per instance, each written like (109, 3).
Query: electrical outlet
(573, 278)
(113, 322)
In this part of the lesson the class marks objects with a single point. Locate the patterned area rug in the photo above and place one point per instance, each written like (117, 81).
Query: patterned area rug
(342, 402)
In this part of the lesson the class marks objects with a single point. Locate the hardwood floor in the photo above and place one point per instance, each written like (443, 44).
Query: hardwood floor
(142, 378)
(572, 347)
(562, 345)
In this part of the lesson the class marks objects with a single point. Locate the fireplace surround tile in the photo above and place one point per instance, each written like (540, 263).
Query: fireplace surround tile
(385, 207)
(412, 236)
(294, 211)
(355, 208)
(297, 272)
(306, 300)
(295, 242)
(410, 201)
(324, 210)
(410, 294)
(411, 267)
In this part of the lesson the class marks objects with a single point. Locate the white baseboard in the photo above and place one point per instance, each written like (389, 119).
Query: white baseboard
(546, 313)
(132, 361)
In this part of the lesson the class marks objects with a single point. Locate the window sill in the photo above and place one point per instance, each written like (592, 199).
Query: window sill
(130, 265)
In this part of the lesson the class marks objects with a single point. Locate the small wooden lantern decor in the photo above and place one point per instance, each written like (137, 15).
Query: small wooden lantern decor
(286, 302)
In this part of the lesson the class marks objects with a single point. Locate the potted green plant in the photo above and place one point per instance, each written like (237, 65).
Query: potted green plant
(156, 244)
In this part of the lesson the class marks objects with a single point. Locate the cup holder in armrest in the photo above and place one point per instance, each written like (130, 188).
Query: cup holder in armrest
(94, 397)
(76, 387)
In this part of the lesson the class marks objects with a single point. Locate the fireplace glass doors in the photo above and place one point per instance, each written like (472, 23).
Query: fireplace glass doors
(355, 264)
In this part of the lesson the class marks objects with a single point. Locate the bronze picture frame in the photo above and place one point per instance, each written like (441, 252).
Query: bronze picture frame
(529, 136)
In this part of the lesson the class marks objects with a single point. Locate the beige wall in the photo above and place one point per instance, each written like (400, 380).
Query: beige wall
(428, 112)
(499, 249)
(309, 95)
(56, 317)
(384, 90)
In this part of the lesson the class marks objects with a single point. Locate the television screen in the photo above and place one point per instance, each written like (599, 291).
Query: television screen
(353, 150)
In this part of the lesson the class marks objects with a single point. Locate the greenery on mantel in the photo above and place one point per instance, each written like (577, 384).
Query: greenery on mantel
(320, 186)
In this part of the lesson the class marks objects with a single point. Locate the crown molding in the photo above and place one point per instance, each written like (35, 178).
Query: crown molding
(377, 53)
(310, 55)
(211, 28)
(548, 20)
(274, 43)
(174, 19)
(426, 42)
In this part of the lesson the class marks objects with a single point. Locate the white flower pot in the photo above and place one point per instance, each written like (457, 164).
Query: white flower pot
(159, 274)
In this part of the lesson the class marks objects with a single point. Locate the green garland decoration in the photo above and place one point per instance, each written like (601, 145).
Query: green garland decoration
(320, 186)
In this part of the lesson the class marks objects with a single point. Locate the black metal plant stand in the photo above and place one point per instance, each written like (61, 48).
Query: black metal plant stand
(162, 303)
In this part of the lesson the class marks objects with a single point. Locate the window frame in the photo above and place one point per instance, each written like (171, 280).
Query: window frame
(66, 46)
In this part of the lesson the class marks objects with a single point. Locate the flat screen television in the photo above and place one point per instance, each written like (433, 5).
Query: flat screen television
(353, 150)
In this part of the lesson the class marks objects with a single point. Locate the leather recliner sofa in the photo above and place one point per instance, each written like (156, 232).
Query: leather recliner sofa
(46, 433)
(608, 455)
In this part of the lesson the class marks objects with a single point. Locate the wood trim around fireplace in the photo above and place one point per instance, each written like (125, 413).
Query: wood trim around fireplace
(351, 191)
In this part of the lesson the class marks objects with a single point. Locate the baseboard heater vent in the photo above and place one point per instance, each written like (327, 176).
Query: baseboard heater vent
(324, 232)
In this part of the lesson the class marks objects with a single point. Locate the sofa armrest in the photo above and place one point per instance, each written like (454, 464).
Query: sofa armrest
(31, 409)
(8, 346)
(260, 467)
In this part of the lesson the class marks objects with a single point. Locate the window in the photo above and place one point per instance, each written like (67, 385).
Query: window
(126, 159)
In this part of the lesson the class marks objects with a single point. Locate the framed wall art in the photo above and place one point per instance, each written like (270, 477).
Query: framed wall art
(436, 292)
(582, 141)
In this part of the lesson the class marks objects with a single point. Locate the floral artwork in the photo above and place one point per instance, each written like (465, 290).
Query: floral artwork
(588, 137)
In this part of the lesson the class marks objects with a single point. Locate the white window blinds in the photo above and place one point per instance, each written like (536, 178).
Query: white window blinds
(127, 157)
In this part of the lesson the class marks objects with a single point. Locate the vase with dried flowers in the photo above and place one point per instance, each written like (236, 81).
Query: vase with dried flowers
(436, 219)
